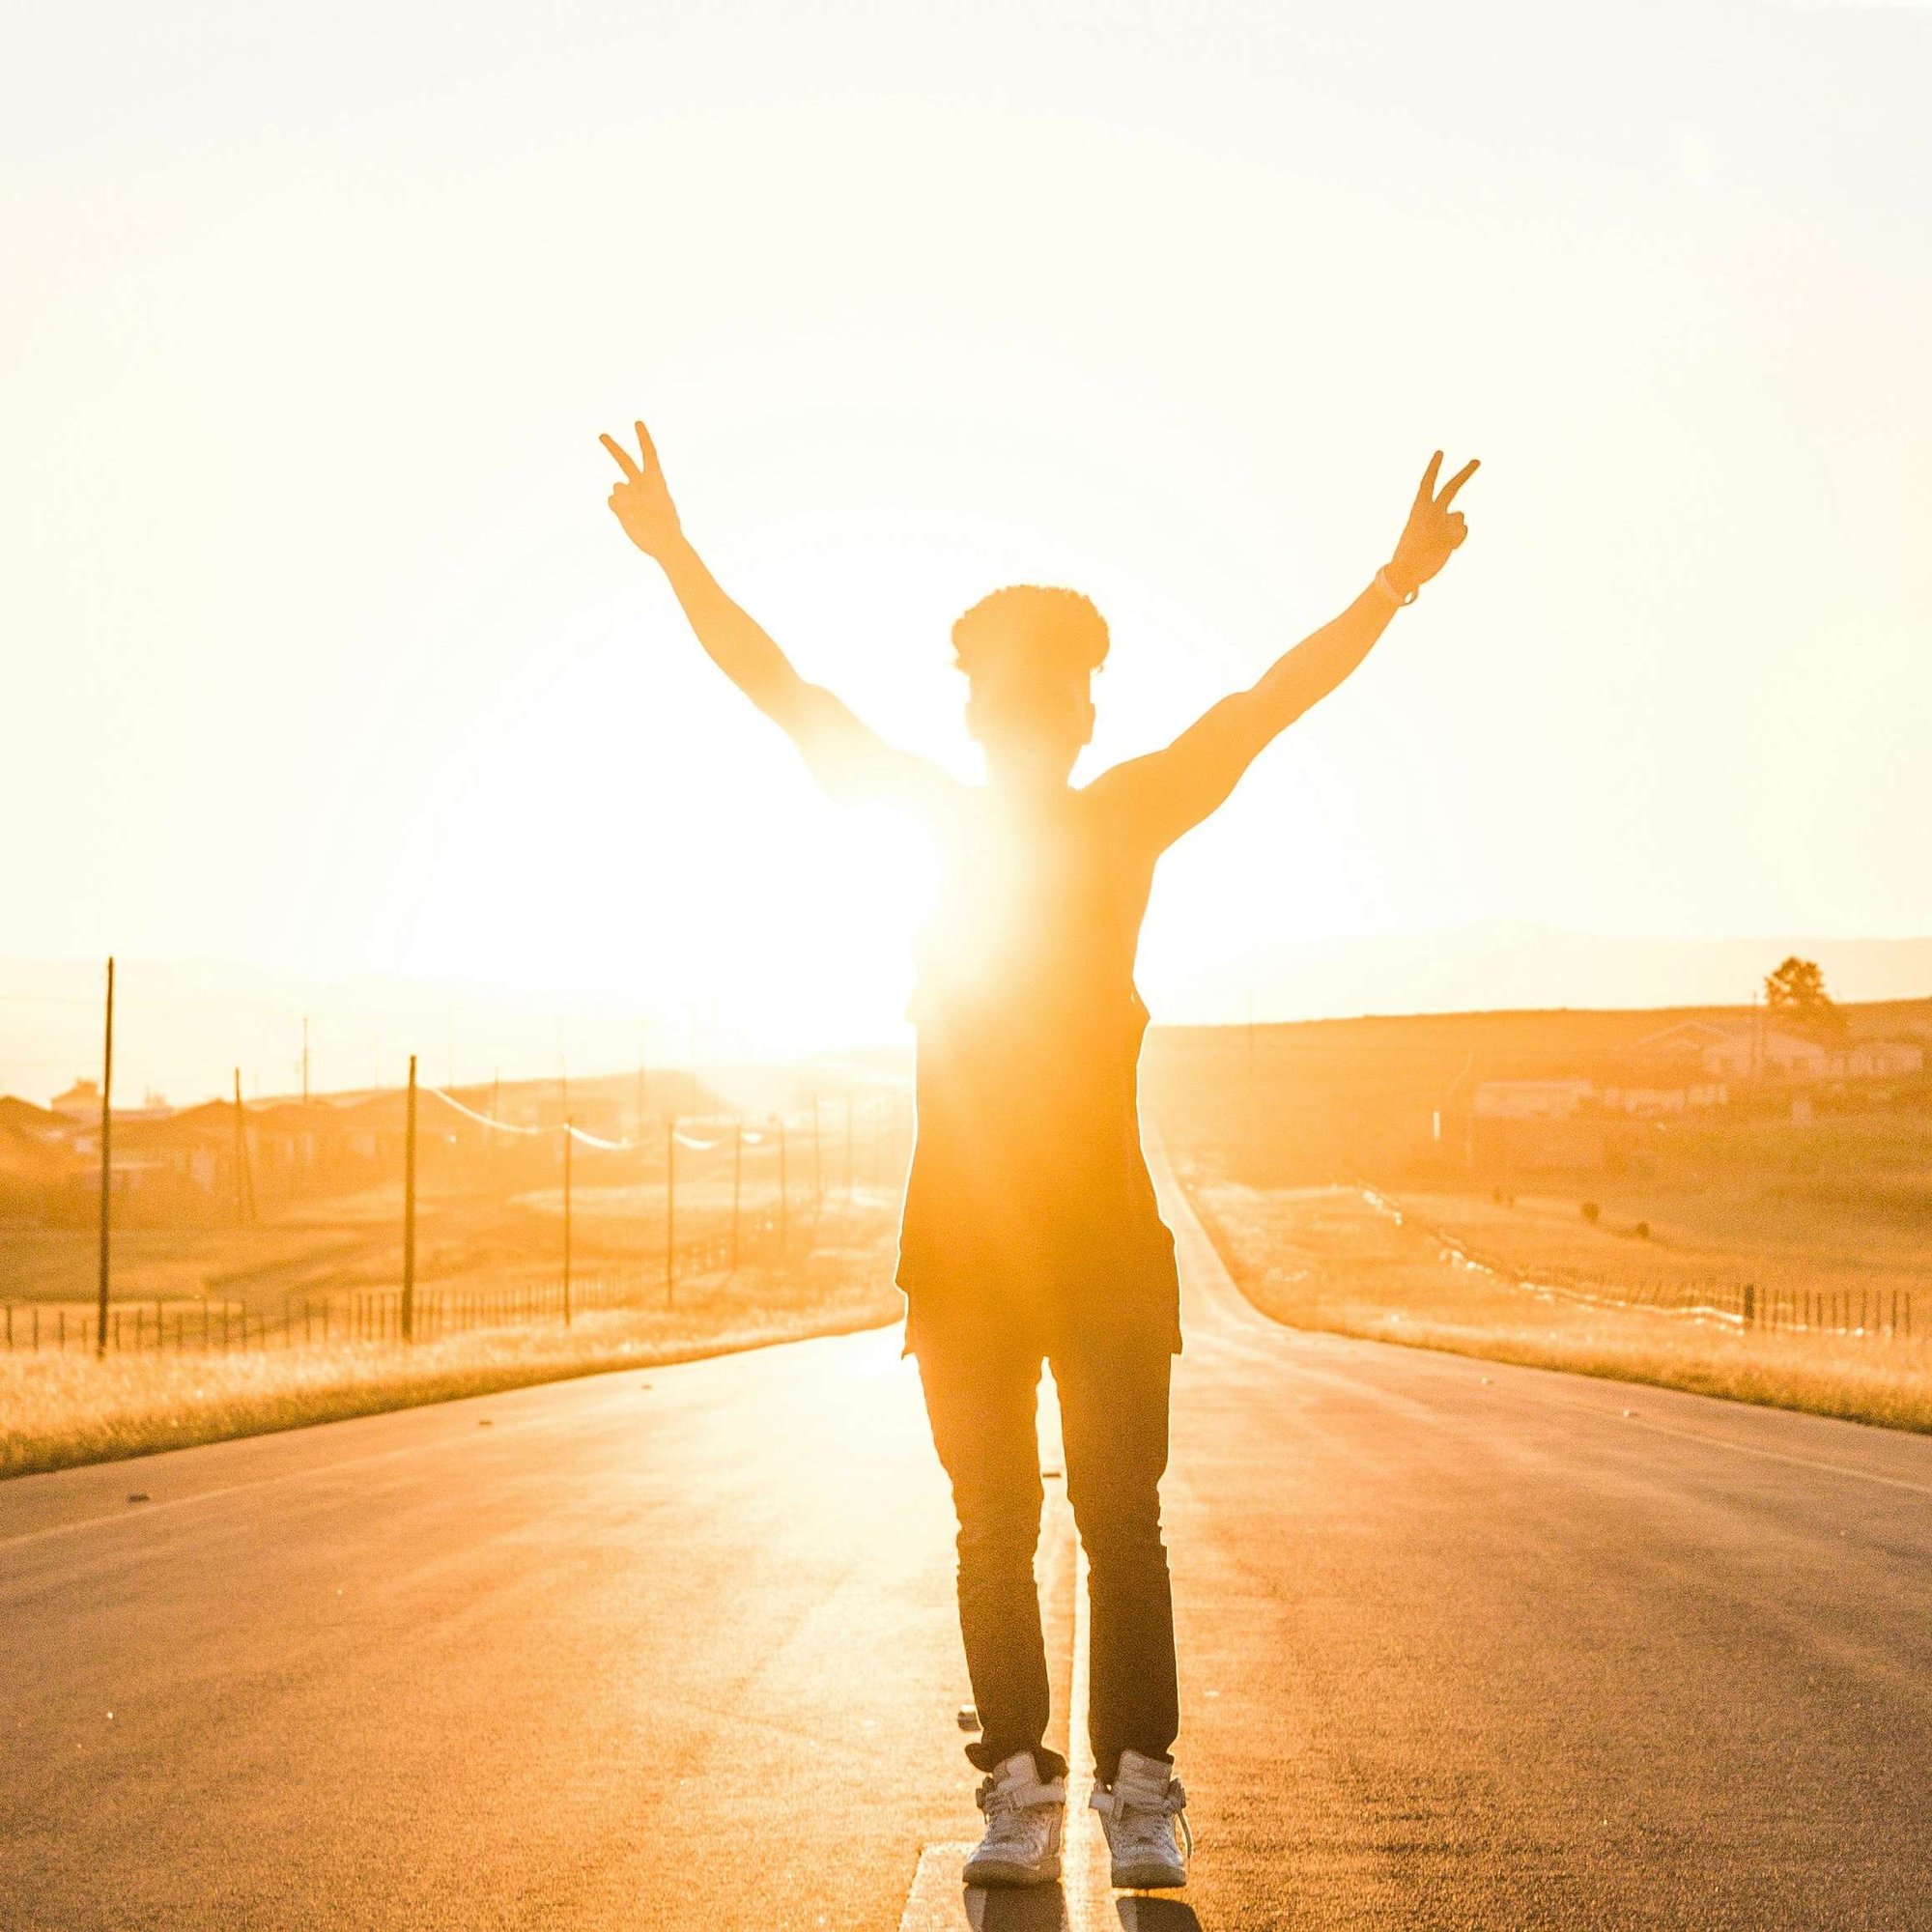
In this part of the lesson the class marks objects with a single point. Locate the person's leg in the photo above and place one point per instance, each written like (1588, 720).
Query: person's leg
(1113, 1408)
(980, 1395)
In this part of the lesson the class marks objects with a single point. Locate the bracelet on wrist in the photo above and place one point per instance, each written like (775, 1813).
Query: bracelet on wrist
(1387, 586)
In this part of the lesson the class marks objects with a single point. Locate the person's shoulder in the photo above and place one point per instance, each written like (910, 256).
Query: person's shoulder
(1121, 797)
(1117, 781)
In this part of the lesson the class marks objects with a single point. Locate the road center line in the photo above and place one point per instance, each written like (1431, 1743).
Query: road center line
(1083, 1899)
(1086, 1871)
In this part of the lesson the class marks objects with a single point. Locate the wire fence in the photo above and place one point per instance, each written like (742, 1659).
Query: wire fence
(1865, 1314)
(721, 1189)
(716, 1242)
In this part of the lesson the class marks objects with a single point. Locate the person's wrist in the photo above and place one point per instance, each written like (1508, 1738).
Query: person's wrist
(1396, 584)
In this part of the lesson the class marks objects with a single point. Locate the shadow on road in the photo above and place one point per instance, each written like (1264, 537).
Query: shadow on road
(1141, 1913)
(1043, 1909)
(1040, 1908)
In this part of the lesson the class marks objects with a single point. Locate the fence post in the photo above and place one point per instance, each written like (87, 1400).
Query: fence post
(410, 1209)
(106, 1164)
(569, 1135)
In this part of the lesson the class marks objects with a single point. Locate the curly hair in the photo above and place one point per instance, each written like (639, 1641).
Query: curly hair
(1060, 631)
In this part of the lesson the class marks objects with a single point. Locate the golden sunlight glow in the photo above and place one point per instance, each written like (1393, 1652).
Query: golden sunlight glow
(337, 668)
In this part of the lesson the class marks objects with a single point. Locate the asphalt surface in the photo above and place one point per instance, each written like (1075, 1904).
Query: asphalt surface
(1461, 1645)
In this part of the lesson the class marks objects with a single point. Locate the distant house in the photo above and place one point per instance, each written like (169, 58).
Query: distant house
(80, 1107)
(34, 1156)
(1579, 1099)
(80, 1102)
(1656, 1102)
(22, 1116)
(1757, 1049)
(1884, 1060)
(1532, 1099)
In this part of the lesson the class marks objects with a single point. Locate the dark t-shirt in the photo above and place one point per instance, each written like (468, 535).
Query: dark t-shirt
(1029, 1195)
(1029, 1200)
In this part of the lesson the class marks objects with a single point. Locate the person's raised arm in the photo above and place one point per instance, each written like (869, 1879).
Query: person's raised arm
(1173, 789)
(845, 754)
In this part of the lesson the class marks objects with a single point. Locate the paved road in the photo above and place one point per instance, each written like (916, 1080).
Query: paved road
(1461, 1646)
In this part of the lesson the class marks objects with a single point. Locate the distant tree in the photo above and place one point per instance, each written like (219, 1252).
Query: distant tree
(1796, 992)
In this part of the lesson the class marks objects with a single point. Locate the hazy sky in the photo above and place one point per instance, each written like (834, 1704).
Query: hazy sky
(322, 653)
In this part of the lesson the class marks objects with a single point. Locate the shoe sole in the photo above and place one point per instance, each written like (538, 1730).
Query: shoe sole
(1148, 1878)
(996, 1876)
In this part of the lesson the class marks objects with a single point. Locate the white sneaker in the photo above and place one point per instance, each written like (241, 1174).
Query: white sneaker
(1024, 1820)
(1139, 1812)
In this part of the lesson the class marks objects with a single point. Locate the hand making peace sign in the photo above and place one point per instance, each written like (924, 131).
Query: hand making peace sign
(641, 503)
(1433, 529)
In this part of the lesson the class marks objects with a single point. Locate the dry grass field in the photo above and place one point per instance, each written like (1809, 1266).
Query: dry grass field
(224, 1326)
(1317, 1155)
(60, 1408)
(1288, 1136)
(1709, 1243)
(346, 1243)
(1330, 1257)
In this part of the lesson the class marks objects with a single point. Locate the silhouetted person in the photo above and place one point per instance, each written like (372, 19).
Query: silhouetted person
(1031, 1232)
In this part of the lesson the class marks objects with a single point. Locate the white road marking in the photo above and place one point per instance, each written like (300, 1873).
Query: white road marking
(1085, 1867)
(1083, 1901)
(939, 1903)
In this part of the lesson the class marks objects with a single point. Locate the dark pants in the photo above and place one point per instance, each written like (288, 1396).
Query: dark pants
(981, 1393)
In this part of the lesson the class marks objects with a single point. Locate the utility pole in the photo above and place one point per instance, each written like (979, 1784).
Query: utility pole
(569, 1135)
(106, 1164)
(409, 1210)
(304, 1060)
